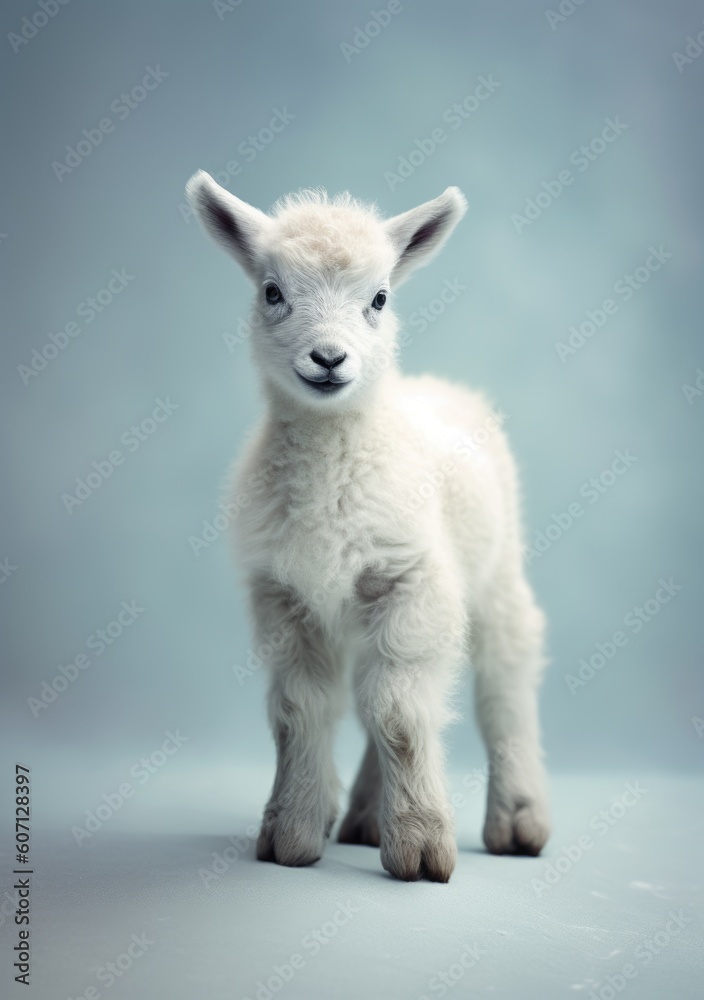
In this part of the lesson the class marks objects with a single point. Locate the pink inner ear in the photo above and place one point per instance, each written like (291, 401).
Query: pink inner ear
(426, 232)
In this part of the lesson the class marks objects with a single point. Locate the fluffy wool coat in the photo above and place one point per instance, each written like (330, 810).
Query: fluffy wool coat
(381, 540)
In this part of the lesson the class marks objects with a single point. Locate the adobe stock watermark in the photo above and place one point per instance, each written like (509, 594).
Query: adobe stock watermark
(463, 448)
(600, 824)
(87, 310)
(623, 291)
(142, 770)
(121, 108)
(98, 642)
(229, 510)
(563, 12)
(581, 158)
(257, 658)
(31, 25)
(8, 906)
(693, 48)
(132, 440)
(378, 20)
(592, 490)
(272, 643)
(636, 619)
(693, 392)
(311, 945)
(420, 319)
(447, 978)
(210, 531)
(455, 116)
(424, 317)
(612, 985)
(248, 150)
(223, 860)
(224, 7)
(6, 569)
(108, 974)
(476, 780)
(239, 845)
(244, 328)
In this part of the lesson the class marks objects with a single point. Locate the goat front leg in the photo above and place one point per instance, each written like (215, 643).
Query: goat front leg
(417, 633)
(305, 700)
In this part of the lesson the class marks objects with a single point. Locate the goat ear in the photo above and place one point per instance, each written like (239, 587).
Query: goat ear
(417, 235)
(236, 226)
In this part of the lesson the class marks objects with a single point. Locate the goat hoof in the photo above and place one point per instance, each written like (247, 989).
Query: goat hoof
(420, 850)
(293, 841)
(523, 828)
(360, 826)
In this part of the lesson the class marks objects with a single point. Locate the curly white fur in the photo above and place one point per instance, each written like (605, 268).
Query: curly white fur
(380, 536)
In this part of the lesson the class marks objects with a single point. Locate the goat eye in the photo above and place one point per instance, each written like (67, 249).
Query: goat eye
(273, 294)
(379, 300)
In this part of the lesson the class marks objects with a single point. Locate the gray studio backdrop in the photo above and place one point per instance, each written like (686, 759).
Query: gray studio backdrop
(571, 293)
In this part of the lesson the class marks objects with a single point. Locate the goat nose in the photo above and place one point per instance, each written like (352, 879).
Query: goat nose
(329, 362)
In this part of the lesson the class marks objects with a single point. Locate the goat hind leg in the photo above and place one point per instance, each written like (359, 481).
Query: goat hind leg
(361, 824)
(508, 664)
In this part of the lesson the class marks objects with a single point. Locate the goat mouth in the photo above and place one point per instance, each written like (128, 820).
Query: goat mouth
(323, 385)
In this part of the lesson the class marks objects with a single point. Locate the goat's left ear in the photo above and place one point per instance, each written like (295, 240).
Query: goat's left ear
(238, 227)
(417, 235)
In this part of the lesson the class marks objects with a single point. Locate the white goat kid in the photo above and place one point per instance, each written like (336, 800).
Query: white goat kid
(382, 528)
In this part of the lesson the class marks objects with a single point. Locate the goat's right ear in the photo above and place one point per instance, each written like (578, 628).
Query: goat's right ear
(417, 235)
(236, 226)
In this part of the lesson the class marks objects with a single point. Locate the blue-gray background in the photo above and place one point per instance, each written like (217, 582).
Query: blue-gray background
(170, 333)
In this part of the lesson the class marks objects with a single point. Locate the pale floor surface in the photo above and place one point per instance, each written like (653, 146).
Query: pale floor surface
(629, 908)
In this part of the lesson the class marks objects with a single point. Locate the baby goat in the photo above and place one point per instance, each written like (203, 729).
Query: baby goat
(382, 534)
